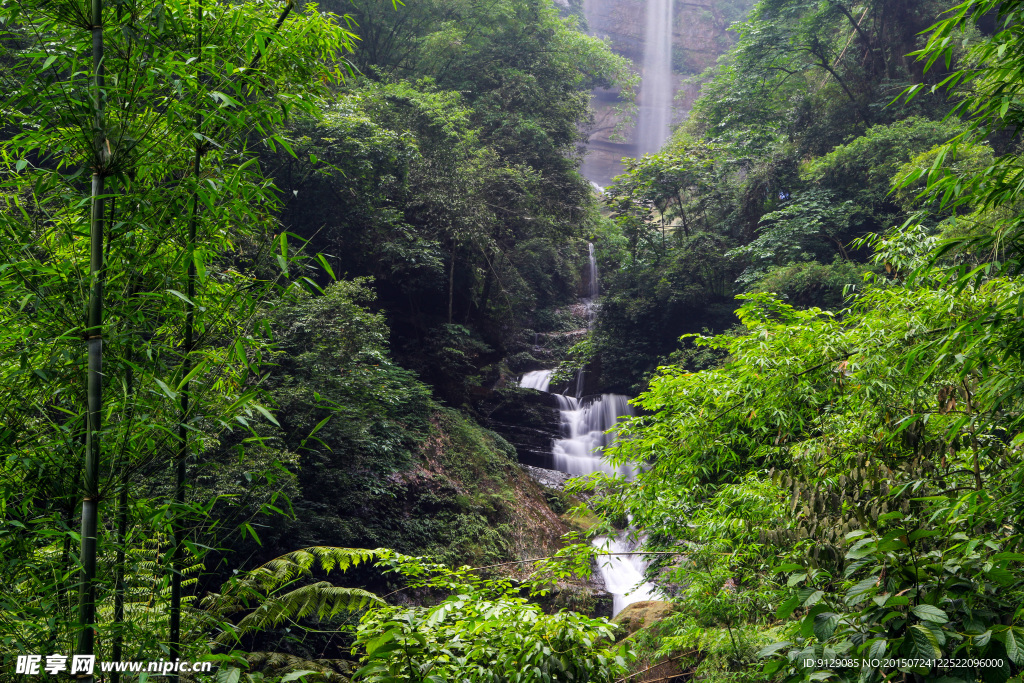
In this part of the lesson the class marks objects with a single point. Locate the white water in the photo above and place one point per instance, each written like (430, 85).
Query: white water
(623, 574)
(536, 379)
(580, 451)
(589, 303)
(583, 425)
(657, 87)
(592, 285)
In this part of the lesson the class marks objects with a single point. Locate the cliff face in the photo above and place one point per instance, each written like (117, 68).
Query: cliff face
(699, 36)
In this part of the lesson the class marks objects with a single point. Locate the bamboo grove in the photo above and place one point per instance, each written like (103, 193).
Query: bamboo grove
(135, 322)
(270, 276)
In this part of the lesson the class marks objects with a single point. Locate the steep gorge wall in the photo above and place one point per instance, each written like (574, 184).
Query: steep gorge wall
(699, 36)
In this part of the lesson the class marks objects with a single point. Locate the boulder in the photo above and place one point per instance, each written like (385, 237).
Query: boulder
(642, 614)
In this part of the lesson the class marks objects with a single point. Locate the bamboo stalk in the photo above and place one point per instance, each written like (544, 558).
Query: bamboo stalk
(122, 533)
(94, 343)
(178, 532)
(178, 554)
(122, 522)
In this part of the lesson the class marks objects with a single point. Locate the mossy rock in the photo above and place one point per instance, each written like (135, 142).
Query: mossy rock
(642, 614)
(582, 520)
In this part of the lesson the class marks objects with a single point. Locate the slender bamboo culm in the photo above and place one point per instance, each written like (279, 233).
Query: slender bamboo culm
(94, 343)
(178, 561)
(117, 650)
(117, 653)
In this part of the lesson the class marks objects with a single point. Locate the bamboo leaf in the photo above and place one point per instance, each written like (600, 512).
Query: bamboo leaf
(266, 413)
(173, 395)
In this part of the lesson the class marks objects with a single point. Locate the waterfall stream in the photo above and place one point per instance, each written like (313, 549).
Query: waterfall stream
(624, 574)
(657, 87)
(583, 422)
(538, 379)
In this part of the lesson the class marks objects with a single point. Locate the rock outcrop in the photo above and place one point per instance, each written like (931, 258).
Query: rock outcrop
(642, 614)
(525, 418)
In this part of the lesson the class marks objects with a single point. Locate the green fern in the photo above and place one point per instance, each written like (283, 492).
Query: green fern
(322, 599)
(299, 563)
(266, 585)
(274, 664)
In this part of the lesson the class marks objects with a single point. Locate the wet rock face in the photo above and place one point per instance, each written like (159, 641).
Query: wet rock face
(550, 479)
(699, 36)
(588, 598)
(621, 22)
(525, 418)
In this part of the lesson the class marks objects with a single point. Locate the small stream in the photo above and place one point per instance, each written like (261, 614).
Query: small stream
(584, 423)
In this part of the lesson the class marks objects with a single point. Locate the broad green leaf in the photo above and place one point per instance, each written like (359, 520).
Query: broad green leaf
(786, 608)
(930, 613)
(1014, 651)
(925, 645)
(229, 675)
(769, 650)
(825, 625)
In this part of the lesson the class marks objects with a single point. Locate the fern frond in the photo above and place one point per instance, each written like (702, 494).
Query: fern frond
(264, 584)
(322, 599)
(290, 566)
(280, 663)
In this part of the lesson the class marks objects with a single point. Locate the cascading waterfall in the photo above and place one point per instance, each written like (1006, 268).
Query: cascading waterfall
(537, 379)
(583, 423)
(657, 87)
(592, 286)
(590, 306)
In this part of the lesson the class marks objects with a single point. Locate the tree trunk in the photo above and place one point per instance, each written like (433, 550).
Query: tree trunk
(94, 343)
(682, 213)
(663, 227)
(488, 279)
(823, 62)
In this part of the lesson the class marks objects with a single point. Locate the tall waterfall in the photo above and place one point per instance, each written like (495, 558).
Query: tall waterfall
(657, 86)
(583, 423)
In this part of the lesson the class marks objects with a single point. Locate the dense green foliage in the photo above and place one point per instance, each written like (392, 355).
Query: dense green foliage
(786, 157)
(843, 486)
(261, 275)
(238, 397)
(486, 631)
(873, 460)
(157, 398)
(449, 175)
